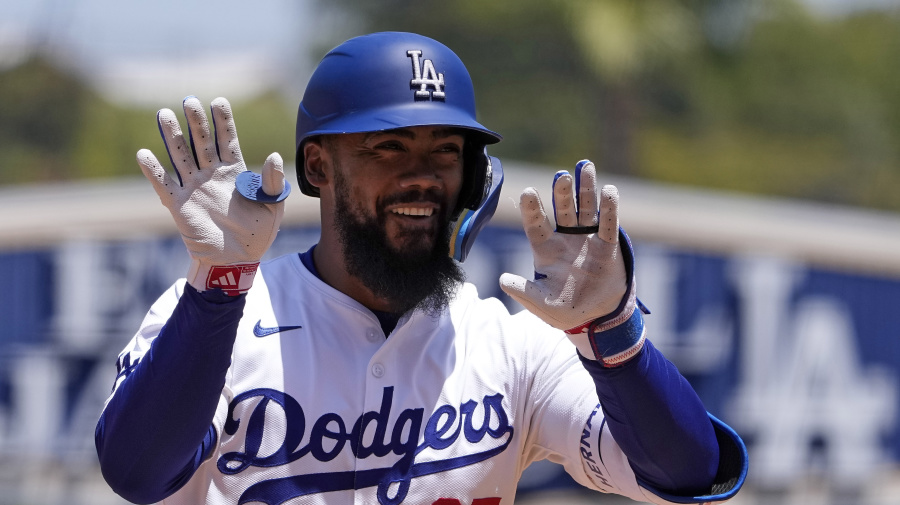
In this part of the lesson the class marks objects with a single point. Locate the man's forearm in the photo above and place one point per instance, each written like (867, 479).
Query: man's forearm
(659, 422)
(156, 430)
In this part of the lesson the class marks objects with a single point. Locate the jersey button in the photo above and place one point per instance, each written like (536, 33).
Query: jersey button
(372, 336)
(378, 370)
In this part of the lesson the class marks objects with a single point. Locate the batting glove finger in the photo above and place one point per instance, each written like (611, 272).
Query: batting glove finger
(228, 147)
(586, 188)
(176, 147)
(203, 143)
(608, 220)
(537, 225)
(162, 182)
(564, 201)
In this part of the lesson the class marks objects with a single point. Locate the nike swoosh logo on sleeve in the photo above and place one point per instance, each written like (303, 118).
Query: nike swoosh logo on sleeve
(262, 331)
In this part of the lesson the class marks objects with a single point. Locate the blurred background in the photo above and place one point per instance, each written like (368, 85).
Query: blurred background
(756, 145)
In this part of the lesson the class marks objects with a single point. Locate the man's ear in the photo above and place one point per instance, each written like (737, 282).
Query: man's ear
(316, 159)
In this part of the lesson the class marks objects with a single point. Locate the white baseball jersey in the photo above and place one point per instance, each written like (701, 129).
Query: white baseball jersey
(319, 407)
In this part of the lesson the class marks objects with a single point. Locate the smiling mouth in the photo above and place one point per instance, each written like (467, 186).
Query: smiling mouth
(413, 211)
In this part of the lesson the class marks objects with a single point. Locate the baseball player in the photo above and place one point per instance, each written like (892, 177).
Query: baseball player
(365, 370)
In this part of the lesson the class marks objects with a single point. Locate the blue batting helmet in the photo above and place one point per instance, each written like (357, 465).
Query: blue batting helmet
(393, 80)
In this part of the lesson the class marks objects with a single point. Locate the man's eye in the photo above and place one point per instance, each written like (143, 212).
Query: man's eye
(450, 148)
(390, 146)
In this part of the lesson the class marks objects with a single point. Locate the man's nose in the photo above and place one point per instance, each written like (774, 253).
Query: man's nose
(421, 173)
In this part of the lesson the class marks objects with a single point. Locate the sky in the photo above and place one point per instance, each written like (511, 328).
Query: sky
(149, 53)
(840, 7)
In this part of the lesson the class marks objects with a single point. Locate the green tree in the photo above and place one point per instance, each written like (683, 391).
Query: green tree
(53, 127)
(802, 107)
(40, 105)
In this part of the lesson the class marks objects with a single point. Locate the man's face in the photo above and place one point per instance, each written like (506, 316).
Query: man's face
(407, 179)
(394, 192)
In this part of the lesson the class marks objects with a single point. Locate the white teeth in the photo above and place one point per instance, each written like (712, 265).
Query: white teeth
(412, 211)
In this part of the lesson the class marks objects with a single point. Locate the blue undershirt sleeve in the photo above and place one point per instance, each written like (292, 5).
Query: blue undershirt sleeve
(157, 429)
(659, 423)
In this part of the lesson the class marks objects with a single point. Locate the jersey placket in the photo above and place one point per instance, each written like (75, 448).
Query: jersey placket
(378, 417)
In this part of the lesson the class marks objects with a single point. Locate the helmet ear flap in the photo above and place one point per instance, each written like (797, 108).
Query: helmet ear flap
(469, 223)
(475, 172)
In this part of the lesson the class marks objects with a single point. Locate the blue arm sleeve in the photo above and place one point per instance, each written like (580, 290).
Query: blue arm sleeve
(156, 430)
(659, 422)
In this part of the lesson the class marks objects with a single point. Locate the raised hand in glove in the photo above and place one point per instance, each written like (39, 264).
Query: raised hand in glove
(226, 231)
(583, 283)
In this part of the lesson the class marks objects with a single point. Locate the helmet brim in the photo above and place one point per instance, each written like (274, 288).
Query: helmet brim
(402, 116)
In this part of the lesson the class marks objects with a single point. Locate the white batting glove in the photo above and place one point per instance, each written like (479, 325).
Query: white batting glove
(225, 233)
(583, 284)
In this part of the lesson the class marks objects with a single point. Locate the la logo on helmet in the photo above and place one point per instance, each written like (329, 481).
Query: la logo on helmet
(425, 75)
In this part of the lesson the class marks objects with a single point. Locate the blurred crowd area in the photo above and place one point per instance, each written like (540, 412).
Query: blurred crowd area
(778, 99)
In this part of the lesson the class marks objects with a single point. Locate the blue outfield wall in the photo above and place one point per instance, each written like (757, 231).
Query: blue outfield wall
(803, 361)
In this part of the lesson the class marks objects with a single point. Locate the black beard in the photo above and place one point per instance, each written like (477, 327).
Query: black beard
(415, 278)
